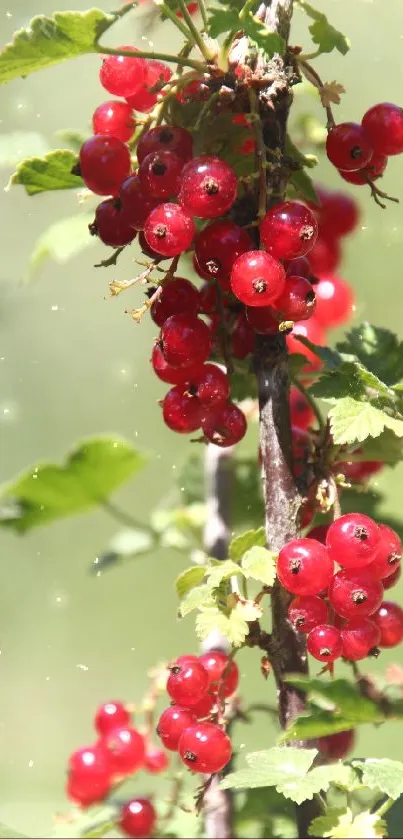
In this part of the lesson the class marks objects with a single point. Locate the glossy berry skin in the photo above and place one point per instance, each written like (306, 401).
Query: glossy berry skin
(348, 146)
(319, 533)
(114, 117)
(208, 298)
(297, 301)
(144, 101)
(289, 230)
(325, 256)
(383, 124)
(203, 708)
(217, 247)
(389, 620)
(172, 723)
(159, 174)
(181, 411)
(353, 540)
(358, 638)
(304, 613)
(335, 301)
(242, 337)
(359, 471)
(301, 413)
(355, 593)
(169, 229)
(393, 579)
(187, 683)
(178, 296)
(168, 374)
(217, 663)
(185, 340)
(257, 278)
(371, 172)
(110, 225)
(304, 567)
(210, 386)
(111, 715)
(263, 319)
(155, 761)
(324, 643)
(389, 554)
(104, 164)
(224, 425)
(122, 75)
(137, 818)
(126, 749)
(136, 205)
(205, 747)
(339, 214)
(208, 187)
(165, 138)
(313, 331)
(336, 746)
(298, 267)
(88, 775)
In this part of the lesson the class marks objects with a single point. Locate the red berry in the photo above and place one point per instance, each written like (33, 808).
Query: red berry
(355, 593)
(223, 674)
(348, 146)
(263, 319)
(297, 301)
(358, 638)
(111, 715)
(242, 337)
(114, 117)
(185, 340)
(302, 448)
(122, 75)
(389, 620)
(298, 267)
(137, 818)
(383, 124)
(211, 386)
(144, 101)
(159, 174)
(335, 301)
(171, 375)
(172, 723)
(204, 747)
(257, 279)
(187, 682)
(104, 164)
(208, 298)
(371, 172)
(165, 138)
(353, 540)
(288, 230)
(88, 775)
(324, 642)
(319, 533)
(304, 567)
(313, 331)
(325, 256)
(224, 425)
(203, 708)
(136, 205)
(358, 470)
(304, 613)
(389, 554)
(195, 91)
(301, 413)
(155, 761)
(336, 746)
(339, 215)
(126, 749)
(181, 411)
(178, 296)
(389, 582)
(208, 187)
(169, 229)
(110, 225)
(218, 246)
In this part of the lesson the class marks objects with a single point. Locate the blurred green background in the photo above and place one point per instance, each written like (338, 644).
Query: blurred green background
(73, 365)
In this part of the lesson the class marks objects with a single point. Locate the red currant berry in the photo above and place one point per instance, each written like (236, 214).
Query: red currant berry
(353, 540)
(223, 674)
(358, 638)
(169, 229)
(159, 174)
(358, 471)
(257, 279)
(297, 301)
(88, 776)
(137, 818)
(155, 761)
(383, 124)
(187, 682)
(336, 746)
(185, 340)
(104, 164)
(348, 147)
(389, 554)
(114, 117)
(208, 187)
(181, 411)
(304, 613)
(335, 302)
(203, 708)
(242, 337)
(339, 215)
(263, 319)
(122, 75)
(288, 230)
(147, 251)
(195, 91)
(355, 593)
(313, 331)
(325, 256)
(126, 749)
(224, 425)
(211, 386)
(172, 723)
(389, 620)
(208, 298)
(299, 267)
(319, 533)
(144, 101)
(324, 643)
(204, 747)
(179, 296)
(136, 205)
(389, 582)
(217, 247)
(304, 567)
(374, 170)
(110, 224)
(168, 374)
(302, 448)
(301, 413)
(111, 715)
(166, 138)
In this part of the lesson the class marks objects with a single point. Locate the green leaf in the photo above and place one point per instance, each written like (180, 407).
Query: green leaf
(341, 824)
(17, 145)
(222, 21)
(352, 421)
(125, 545)
(382, 774)
(189, 579)
(260, 564)
(323, 33)
(50, 40)
(242, 543)
(223, 570)
(304, 187)
(41, 174)
(378, 349)
(269, 42)
(72, 138)
(233, 626)
(199, 597)
(62, 241)
(387, 447)
(46, 492)
(259, 813)
(351, 378)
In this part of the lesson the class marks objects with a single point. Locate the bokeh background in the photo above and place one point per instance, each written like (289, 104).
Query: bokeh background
(73, 365)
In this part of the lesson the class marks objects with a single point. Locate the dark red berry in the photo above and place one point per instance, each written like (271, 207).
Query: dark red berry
(136, 205)
(126, 749)
(104, 164)
(122, 75)
(389, 620)
(155, 761)
(288, 230)
(137, 818)
(298, 267)
(353, 540)
(358, 638)
(172, 723)
(111, 715)
(178, 296)
(114, 117)
(389, 582)
(171, 375)
(185, 340)
(263, 319)
(242, 337)
(187, 682)
(257, 278)
(371, 172)
(389, 554)
(203, 708)
(313, 331)
(223, 674)
(297, 300)
(218, 246)
(155, 72)
(335, 301)
(169, 229)
(358, 471)
(324, 642)
(339, 215)
(195, 91)
(302, 448)
(348, 146)
(110, 224)
(208, 298)
(304, 613)
(165, 138)
(355, 593)
(89, 776)
(319, 533)
(301, 413)
(336, 746)
(211, 386)
(304, 567)
(325, 256)
(208, 187)
(182, 412)
(224, 425)
(383, 124)
(204, 747)
(159, 174)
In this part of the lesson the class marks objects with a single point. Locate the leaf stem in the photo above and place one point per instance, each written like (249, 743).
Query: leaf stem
(203, 11)
(311, 401)
(122, 517)
(384, 807)
(205, 51)
(175, 20)
(161, 56)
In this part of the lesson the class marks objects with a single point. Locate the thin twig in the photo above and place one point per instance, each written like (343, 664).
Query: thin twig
(112, 260)
(160, 56)
(207, 54)
(117, 286)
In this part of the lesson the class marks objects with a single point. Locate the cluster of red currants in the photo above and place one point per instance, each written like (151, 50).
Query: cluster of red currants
(198, 687)
(360, 151)
(342, 610)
